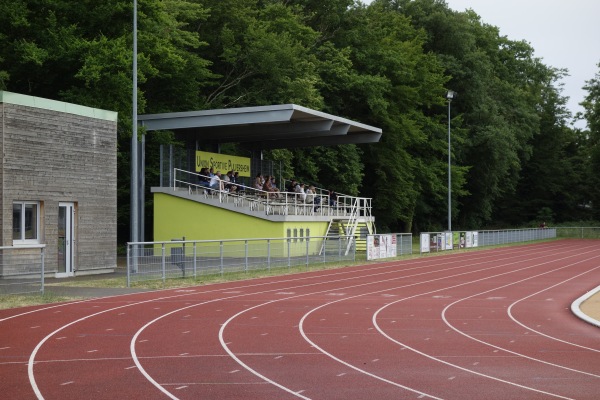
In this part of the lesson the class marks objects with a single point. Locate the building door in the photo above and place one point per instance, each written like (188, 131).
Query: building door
(66, 218)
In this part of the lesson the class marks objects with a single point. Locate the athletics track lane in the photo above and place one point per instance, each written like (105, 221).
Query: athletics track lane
(453, 327)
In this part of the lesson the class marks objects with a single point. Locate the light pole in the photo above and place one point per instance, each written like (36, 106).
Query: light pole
(450, 95)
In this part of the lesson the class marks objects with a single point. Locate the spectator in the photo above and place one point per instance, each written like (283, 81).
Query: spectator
(268, 187)
(237, 182)
(227, 179)
(300, 193)
(215, 182)
(312, 198)
(333, 197)
(258, 182)
(292, 186)
(204, 178)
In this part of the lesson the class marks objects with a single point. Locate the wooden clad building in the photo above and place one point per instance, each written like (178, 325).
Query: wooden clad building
(58, 176)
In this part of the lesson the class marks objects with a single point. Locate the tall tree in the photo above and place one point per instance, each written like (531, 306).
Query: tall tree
(591, 105)
(392, 85)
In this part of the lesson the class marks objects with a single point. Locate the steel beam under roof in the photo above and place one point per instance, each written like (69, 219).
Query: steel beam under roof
(263, 127)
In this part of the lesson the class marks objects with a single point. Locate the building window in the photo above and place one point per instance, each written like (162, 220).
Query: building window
(26, 222)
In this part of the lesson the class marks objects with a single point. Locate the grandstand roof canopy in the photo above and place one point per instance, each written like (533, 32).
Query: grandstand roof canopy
(263, 127)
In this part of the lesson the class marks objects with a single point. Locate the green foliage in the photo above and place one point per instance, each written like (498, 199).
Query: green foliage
(591, 142)
(387, 64)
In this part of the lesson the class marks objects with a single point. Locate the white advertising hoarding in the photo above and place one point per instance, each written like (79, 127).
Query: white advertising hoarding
(381, 246)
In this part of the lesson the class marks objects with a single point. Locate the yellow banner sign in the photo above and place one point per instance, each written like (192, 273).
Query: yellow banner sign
(222, 162)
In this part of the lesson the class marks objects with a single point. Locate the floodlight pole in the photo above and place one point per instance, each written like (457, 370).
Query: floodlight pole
(134, 139)
(449, 96)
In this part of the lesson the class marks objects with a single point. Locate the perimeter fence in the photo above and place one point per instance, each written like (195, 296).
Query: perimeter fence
(442, 241)
(148, 261)
(22, 269)
(578, 232)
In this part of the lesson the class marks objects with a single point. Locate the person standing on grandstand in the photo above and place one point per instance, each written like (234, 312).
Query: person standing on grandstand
(332, 198)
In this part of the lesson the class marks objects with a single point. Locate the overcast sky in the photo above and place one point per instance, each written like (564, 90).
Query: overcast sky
(565, 34)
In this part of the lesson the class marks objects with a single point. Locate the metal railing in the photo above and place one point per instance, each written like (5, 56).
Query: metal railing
(587, 232)
(440, 241)
(179, 259)
(22, 269)
(273, 203)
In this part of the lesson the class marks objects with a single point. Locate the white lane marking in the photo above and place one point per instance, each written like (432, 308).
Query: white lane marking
(444, 312)
(374, 319)
(509, 311)
(369, 269)
(388, 268)
(364, 294)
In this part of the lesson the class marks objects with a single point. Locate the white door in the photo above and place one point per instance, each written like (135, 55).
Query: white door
(66, 218)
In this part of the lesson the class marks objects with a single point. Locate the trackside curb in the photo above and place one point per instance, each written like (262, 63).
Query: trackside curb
(575, 307)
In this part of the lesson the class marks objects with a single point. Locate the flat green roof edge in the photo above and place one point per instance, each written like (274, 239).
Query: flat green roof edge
(54, 105)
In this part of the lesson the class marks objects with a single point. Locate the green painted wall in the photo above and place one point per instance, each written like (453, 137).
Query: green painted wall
(175, 217)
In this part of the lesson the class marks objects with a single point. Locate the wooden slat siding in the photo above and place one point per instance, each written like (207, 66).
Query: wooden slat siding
(52, 156)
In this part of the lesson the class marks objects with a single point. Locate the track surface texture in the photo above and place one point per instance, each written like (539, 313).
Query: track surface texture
(492, 324)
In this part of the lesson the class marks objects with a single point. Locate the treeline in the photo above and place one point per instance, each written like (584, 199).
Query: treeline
(515, 156)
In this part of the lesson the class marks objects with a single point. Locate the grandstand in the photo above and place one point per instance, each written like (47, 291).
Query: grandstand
(184, 209)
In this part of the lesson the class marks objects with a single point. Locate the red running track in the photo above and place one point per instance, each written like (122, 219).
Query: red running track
(492, 324)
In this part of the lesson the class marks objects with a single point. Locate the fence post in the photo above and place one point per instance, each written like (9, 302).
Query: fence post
(163, 261)
(195, 260)
(221, 256)
(128, 265)
(269, 255)
(246, 255)
(289, 254)
(307, 253)
(43, 260)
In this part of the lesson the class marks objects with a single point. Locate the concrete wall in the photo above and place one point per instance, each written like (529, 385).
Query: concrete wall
(52, 152)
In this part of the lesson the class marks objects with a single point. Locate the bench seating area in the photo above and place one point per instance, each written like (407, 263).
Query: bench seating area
(282, 203)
